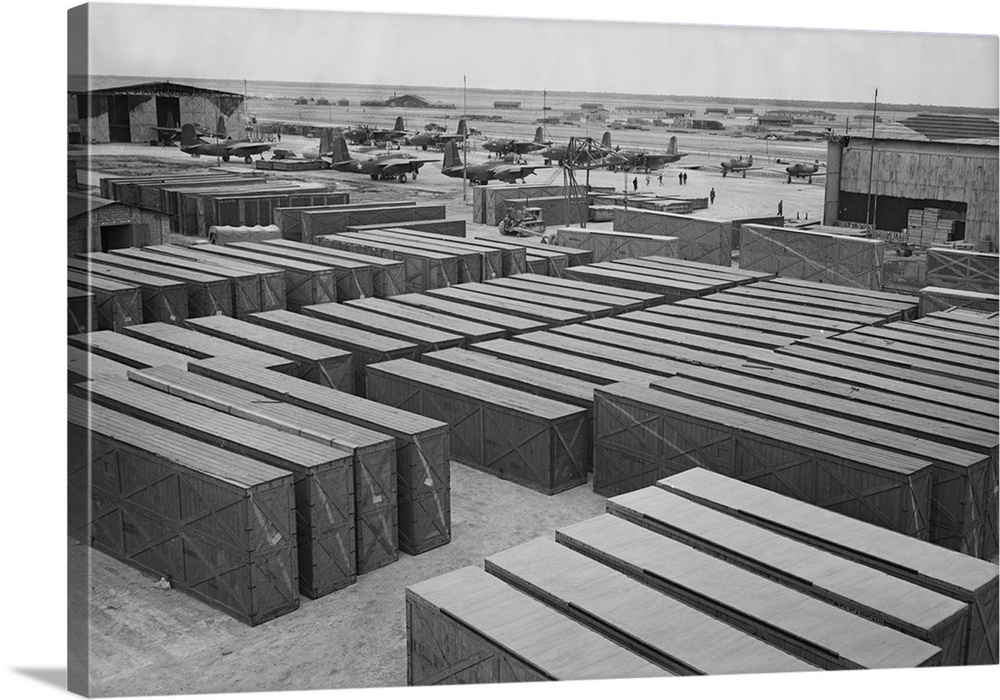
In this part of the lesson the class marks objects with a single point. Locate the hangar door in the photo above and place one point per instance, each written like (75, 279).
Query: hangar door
(119, 124)
(168, 112)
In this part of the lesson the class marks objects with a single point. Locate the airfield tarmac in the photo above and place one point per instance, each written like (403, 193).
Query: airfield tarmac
(145, 639)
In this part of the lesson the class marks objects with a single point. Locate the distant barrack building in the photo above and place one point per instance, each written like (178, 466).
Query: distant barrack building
(501, 104)
(406, 102)
(928, 171)
(143, 113)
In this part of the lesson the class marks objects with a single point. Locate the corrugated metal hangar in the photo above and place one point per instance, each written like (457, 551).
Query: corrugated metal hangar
(140, 113)
(943, 167)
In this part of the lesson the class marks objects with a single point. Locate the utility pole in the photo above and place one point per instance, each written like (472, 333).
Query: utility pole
(465, 136)
(871, 164)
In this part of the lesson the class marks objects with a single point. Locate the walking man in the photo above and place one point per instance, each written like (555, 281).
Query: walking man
(635, 184)
(659, 179)
(780, 205)
(711, 196)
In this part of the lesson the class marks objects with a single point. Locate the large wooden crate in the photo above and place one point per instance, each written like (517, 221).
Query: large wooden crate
(574, 255)
(469, 263)
(941, 299)
(289, 219)
(639, 618)
(513, 258)
(542, 260)
(198, 210)
(569, 293)
(588, 304)
(127, 350)
(374, 454)
(956, 575)
(201, 346)
(353, 278)
(426, 339)
(82, 366)
(488, 201)
(490, 259)
(701, 239)
(365, 347)
(963, 269)
(315, 362)
(255, 208)
(422, 270)
(471, 331)
(689, 328)
(323, 475)
(422, 446)
(270, 293)
(507, 304)
(815, 631)
(117, 304)
(612, 245)
(892, 306)
(323, 223)
(448, 228)
(903, 606)
(510, 323)
(917, 339)
(642, 435)
(593, 349)
(636, 299)
(81, 311)
(217, 526)
(813, 256)
(528, 439)
(614, 274)
(162, 299)
(387, 275)
(469, 627)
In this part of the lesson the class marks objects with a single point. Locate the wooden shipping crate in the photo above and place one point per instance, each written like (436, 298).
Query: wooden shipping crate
(556, 294)
(374, 454)
(422, 446)
(642, 299)
(715, 274)
(422, 270)
(739, 313)
(595, 350)
(941, 299)
(714, 322)
(201, 346)
(81, 308)
(118, 304)
(365, 347)
(815, 631)
(510, 323)
(471, 331)
(471, 264)
(217, 526)
(426, 339)
(642, 435)
(494, 197)
(894, 307)
(612, 245)
(128, 350)
(353, 278)
(592, 308)
(697, 332)
(574, 256)
(324, 476)
(305, 283)
(550, 260)
(533, 441)
(548, 315)
(959, 576)
(316, 224)
(469, 627)
(82, 366)
(812, 255)
(658, 627)
(828, 300)
(449, 229)
(737, 301)
(289, 219)
(617, 275)
(963, 269)
(270, 280)
(964, 321)
(492, 259)
(386, 275)
(315, 362)
(916, 339)
(701, 239)
(162, 299)
(903, 606)
(513, 258)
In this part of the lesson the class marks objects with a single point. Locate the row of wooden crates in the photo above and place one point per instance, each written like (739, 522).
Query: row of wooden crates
(701, 574)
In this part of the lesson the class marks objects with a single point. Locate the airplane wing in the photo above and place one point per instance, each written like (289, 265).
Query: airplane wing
(394, 166)
(243, 150)
(517, 169)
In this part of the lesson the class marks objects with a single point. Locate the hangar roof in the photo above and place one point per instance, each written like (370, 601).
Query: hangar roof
(936, 128)
(157, 88)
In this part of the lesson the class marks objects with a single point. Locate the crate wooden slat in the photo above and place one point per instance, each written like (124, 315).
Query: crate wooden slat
(937, 350)
(741, 314)
(591, 308)
(571, 290)
(324, 476)
(305, 283)
(510, 323)
(972, 323)
(959, 576)
(963, 476)
(426, 339)
(128, 350)
(469, 627)
(528, 439)
(692, 316)
(715, 277)
(365, 347)
(469, 263)
(353, 278)
(733, 300)
(422, 446)
(903, 606)
(595, 350)
(472, 331)
(201, 346)
(611, 245)
(923, 333)
(675, 636)
(117, 304)
(586, 369)
(885, 303)
(83, 366)
(373, 453)
(549, 315)
(684, 323)
(941, 299)
(875, 312)
(162, 299)
(81, 310)
(907, 302)
(646, 299)
(270, 280)
(218, 526)
(422, 270)
(672, 290)
(725, 271)
(315, 362)
(813, 630)
(644, 434)
(492, 259)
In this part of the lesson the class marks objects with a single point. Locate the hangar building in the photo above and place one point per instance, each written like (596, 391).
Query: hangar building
(943, 164)
(132, 113)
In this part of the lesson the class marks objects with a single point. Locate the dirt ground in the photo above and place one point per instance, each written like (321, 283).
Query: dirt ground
(148, 640)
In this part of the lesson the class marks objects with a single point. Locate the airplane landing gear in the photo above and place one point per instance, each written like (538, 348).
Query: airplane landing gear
(248, 160)
(225, 159)
(414, 175)
(374, 176)
(744, 174)
(401, 178)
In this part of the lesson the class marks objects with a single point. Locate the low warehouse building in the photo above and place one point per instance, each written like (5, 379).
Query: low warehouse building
(943, 168)
(97, 224)
(141, 113)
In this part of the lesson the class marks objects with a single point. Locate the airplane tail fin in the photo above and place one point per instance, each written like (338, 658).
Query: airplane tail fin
(451, 157)
(539, 135)
(606, 139)
(339, 150)
(399, 125)
(220, 127)
(750, 160)
(462, 128)
(189, 137)
(672, 148)
(324, 141)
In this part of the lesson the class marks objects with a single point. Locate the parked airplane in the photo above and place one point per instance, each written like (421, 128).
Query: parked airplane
(738, 165)
(647, 161)
(196, 146)
(504, 146)
(505, 170)
(437, 138)
(804, 170)
(385, 166)
(363, 134)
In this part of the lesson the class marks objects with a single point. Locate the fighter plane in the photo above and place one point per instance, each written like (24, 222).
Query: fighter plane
(196, 146)
(504, 146)
(648, 161)
(385, 166)
(505, 170)
(362, 133)
(804, 170)
(437, 138)
(738, 165)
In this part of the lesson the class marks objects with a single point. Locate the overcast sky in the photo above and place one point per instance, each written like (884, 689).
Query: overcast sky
(576, 54)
